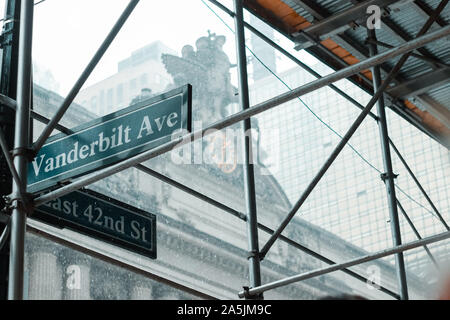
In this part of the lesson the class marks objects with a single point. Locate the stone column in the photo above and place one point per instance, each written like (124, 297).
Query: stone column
(44, 271)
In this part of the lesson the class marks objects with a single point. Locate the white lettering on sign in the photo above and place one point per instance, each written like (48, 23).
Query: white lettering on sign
(96, 217)
(138, 232)
(119, 136)
(147, 127)
(104, 142)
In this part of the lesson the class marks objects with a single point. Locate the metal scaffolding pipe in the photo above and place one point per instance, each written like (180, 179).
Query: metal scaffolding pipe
(190, 191)
(85, 74)
(5, 234)
(9, 159)
(415, 55)
(413, 176)
(411, 224)
(388, 176)
(21, 143)
(7, 101)
(239, 116)
(367, 258)
(247, 167)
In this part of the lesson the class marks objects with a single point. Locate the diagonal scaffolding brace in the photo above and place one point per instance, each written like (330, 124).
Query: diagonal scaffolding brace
(347, 136)
(9, 159)
(402, 210)
(5, 234)
(413, 176)
(84, 75)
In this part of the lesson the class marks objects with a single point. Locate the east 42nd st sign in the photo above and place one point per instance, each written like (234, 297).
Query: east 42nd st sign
(110, 139)
(103, 218)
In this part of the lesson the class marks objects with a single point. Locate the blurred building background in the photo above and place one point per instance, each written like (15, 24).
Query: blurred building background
(205, 248)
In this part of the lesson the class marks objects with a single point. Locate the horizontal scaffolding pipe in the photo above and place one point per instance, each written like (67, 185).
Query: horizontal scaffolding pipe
(326, 260)
(239, 116)
(85, 75)
(415, 55)
(326, 270)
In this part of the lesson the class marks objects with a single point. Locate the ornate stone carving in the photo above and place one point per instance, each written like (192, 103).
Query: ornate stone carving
(208, 70)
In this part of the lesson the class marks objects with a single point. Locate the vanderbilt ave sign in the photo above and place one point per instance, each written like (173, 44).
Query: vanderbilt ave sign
(110, 139)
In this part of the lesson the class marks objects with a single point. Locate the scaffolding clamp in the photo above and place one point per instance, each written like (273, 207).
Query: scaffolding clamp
(29, 153)
(247, 294)
(24, 200)
(385, 176)
(253, 254)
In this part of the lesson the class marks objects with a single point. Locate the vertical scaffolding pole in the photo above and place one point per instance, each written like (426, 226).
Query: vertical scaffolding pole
(388, 176)
(21, 147)
(249, 177)
(8, 83)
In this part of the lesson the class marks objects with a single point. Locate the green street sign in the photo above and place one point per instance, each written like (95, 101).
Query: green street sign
(102, 218)
(110, 139)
